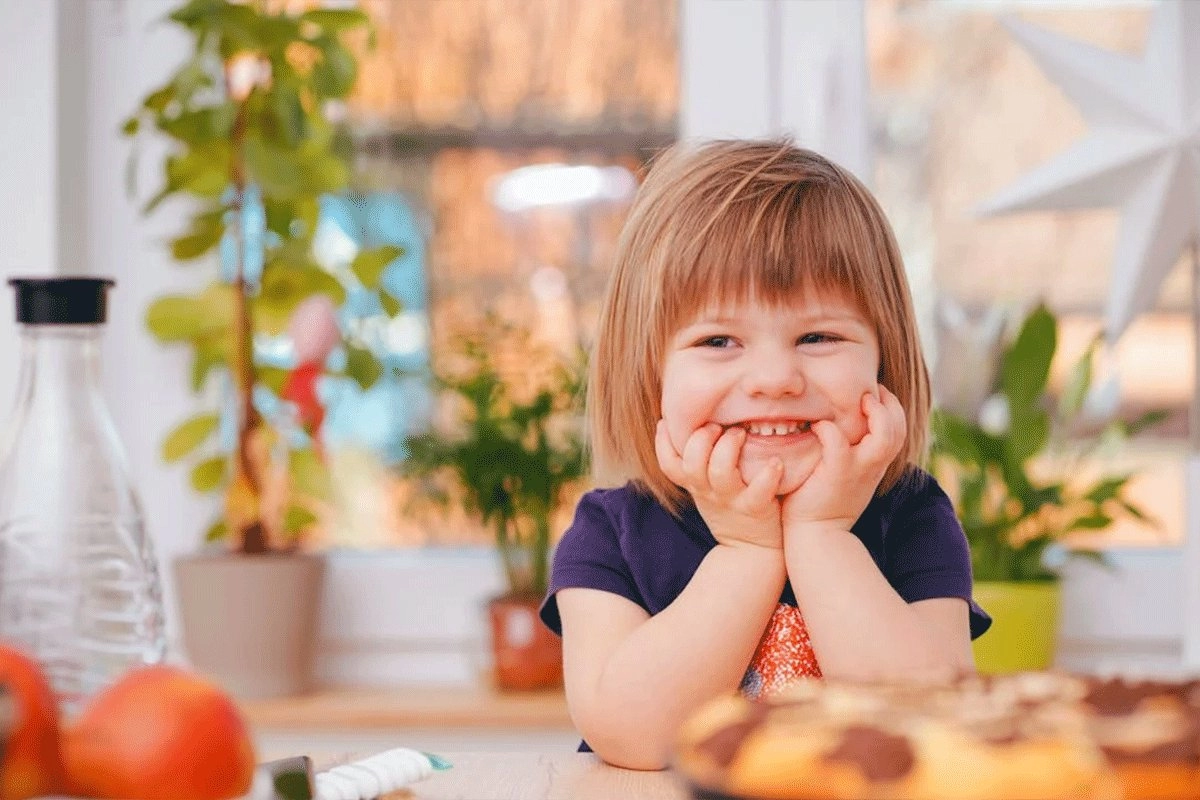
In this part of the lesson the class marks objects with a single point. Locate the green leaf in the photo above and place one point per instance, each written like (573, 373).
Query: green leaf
(210, 352)
(1026, 364)
(157, 101)
(1147, 420)
(272, 377)
(334, 75)
(188, 317)
(205, 234)
(1107, 489)
(297, 519)
(189, 435)
(278, 172)
(390, 304)
(130, 127)
(1028, 432)
(1079, 381)
(369, 265)
(1097, 521)
(217, 531)
(209, 474)
(291, 123)
(310, 477)
(284, 286)
(362, 366)
(955, 437)
(325, 174)
(195, 12)
(335, 20)
(203, 171)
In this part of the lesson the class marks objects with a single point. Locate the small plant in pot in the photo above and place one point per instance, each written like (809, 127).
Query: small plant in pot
(253, 149)
(510, 456)
(1023, 472)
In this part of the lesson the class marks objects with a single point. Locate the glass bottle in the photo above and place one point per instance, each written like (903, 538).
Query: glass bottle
(79, 584)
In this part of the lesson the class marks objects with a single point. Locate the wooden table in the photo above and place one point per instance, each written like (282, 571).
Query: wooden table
(538, 776)
(373, 709)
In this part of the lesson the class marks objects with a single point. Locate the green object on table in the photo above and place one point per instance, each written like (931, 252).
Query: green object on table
(437, 762)
(1024, 628)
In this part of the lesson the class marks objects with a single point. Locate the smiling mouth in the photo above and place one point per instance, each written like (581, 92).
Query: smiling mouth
(777, 428)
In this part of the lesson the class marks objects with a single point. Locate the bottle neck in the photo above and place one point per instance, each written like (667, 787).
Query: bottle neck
(59, 359)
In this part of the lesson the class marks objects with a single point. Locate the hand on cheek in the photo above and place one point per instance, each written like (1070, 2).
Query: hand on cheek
(847, 474)
(736, 512)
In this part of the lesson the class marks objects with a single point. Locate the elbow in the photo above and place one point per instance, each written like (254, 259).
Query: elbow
(629, 754)
(621, 743)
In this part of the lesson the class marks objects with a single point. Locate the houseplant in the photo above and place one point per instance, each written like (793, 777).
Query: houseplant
(253, 149)
(1023, 477)
(510, 454)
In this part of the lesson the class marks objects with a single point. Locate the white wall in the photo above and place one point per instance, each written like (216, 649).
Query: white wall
(129, 51)
(760, 68)
(28, 160)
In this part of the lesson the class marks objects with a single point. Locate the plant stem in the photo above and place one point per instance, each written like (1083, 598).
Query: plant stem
(540, 567)
(252, 536)
(506, 556)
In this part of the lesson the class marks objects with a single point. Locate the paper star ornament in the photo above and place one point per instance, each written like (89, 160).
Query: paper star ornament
(1141, 152)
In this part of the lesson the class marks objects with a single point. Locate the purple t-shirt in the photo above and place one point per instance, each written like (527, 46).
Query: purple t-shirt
(623, 541)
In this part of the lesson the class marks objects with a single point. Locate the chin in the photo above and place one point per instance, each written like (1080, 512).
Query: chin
(795, 472)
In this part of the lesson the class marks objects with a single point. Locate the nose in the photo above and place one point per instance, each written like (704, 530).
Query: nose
(772, 372)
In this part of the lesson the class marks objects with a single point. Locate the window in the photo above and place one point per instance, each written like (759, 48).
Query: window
(960, 111)
(511, 134)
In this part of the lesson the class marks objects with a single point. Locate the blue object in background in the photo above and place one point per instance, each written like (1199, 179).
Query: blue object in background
(397, 404)
(380, 417)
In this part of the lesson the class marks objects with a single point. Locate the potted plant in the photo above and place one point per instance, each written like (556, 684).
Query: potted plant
(510, 454)
(253, 149)
(1023, 476)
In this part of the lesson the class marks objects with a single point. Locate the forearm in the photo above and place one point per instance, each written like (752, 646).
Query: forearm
(695, 649)
(860, 628)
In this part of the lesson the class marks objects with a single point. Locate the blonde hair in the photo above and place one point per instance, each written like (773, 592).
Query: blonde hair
(731, 221)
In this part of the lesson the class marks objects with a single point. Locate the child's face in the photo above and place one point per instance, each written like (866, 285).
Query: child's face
(772, 371)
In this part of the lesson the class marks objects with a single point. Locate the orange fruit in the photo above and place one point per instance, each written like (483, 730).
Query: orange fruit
(30, 764)
(159, 733)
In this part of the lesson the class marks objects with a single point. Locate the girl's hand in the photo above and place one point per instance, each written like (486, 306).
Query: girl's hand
(736, 512)
(843, 481)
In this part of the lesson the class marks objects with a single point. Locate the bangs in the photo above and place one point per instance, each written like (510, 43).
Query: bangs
(769, 244)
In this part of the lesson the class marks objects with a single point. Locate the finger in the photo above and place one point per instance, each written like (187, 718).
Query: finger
(723, 472)
(886, 430)
(697, 451)
(835, 449)
(668, 459)
(764, 487)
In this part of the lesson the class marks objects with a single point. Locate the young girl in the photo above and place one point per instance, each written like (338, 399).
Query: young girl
(759, 397)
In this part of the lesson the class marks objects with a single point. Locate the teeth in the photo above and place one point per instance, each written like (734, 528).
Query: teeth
(777, 428)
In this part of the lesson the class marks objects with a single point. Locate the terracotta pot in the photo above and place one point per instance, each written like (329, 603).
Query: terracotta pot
(250, 621)
(526, 655)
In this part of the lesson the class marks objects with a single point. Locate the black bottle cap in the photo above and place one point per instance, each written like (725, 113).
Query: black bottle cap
(62, 301)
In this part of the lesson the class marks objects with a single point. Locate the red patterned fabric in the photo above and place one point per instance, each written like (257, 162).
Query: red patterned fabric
(784, 655)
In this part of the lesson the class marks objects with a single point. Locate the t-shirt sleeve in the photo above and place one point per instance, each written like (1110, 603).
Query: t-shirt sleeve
(589, 557)
(928, 553)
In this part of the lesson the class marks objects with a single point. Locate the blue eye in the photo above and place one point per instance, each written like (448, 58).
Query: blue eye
(715, 341)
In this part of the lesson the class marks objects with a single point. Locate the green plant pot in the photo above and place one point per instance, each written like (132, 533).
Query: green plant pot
(1024, 627)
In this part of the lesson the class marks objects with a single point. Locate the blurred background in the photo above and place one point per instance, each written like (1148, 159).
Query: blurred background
(497, 144)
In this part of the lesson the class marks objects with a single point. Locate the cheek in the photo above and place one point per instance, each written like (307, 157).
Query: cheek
(849, 414)
(684, 406)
